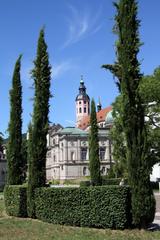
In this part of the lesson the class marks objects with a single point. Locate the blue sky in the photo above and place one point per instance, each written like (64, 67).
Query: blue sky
(80, 39)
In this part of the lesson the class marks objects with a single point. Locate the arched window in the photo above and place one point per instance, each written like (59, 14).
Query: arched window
(80, 110)
(72, 156)
(84, 109)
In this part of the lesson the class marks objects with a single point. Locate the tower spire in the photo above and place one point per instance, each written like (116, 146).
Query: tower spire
(82, 102)
(81, 79)
(99, 105)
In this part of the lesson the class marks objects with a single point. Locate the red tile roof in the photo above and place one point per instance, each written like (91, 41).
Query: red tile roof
(101, 115)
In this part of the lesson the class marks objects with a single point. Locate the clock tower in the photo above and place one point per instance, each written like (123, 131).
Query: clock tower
(82, 103)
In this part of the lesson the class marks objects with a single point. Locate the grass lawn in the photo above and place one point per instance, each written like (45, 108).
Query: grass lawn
(24, 229)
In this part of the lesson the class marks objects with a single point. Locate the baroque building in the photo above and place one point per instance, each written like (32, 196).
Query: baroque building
(68, 153)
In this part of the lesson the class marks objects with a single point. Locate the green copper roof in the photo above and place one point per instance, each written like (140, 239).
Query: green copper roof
(72, 131)
(109, 118)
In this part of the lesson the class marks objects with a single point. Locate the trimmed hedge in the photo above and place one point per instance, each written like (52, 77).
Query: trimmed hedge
(15, 197)
(101, 207)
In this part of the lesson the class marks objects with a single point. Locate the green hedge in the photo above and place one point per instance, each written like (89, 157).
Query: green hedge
(101, 207)
(15, 197)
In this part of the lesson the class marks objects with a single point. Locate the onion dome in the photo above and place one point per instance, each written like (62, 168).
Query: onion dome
(82, 92)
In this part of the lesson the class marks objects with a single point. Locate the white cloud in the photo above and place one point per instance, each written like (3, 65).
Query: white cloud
(81, 25)
(70, 122)
(61, 68)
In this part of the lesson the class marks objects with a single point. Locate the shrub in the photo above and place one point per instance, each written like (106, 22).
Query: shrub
(85, 183)
(105, 181)
(15, 197)
(155, 185)
(111, 181)
(2, 187)
(102, 207)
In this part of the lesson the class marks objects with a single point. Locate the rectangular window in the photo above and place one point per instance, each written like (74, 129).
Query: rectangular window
(83, 154)
(102, 151)
(54, 158)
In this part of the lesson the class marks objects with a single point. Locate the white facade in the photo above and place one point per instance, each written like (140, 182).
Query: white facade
(68, 156)
(155, 176)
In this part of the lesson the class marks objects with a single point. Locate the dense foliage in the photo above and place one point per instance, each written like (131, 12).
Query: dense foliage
(14, 147)
(120, 168)
(94, 162)
(149, 89)
(15, 197)
(1, 144)
(102, 207)
(38, 146)
(24, 157)
(127, 71)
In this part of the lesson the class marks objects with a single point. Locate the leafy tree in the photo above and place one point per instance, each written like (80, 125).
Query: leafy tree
(149, 89)
(41, 75)
(127, 71)
(120, 168)
(94, 163)
(14, 148)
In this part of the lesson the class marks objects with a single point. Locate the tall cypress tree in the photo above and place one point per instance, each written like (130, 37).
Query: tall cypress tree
(1, 144)
(94, 162)
(42, 76)
(127, 70)
(14, 149)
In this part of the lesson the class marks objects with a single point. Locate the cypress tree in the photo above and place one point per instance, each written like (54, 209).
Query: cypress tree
(127, 70)
(41, 75)
(14, 148)
(30, 199)
(94, 162)
(1, 145)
